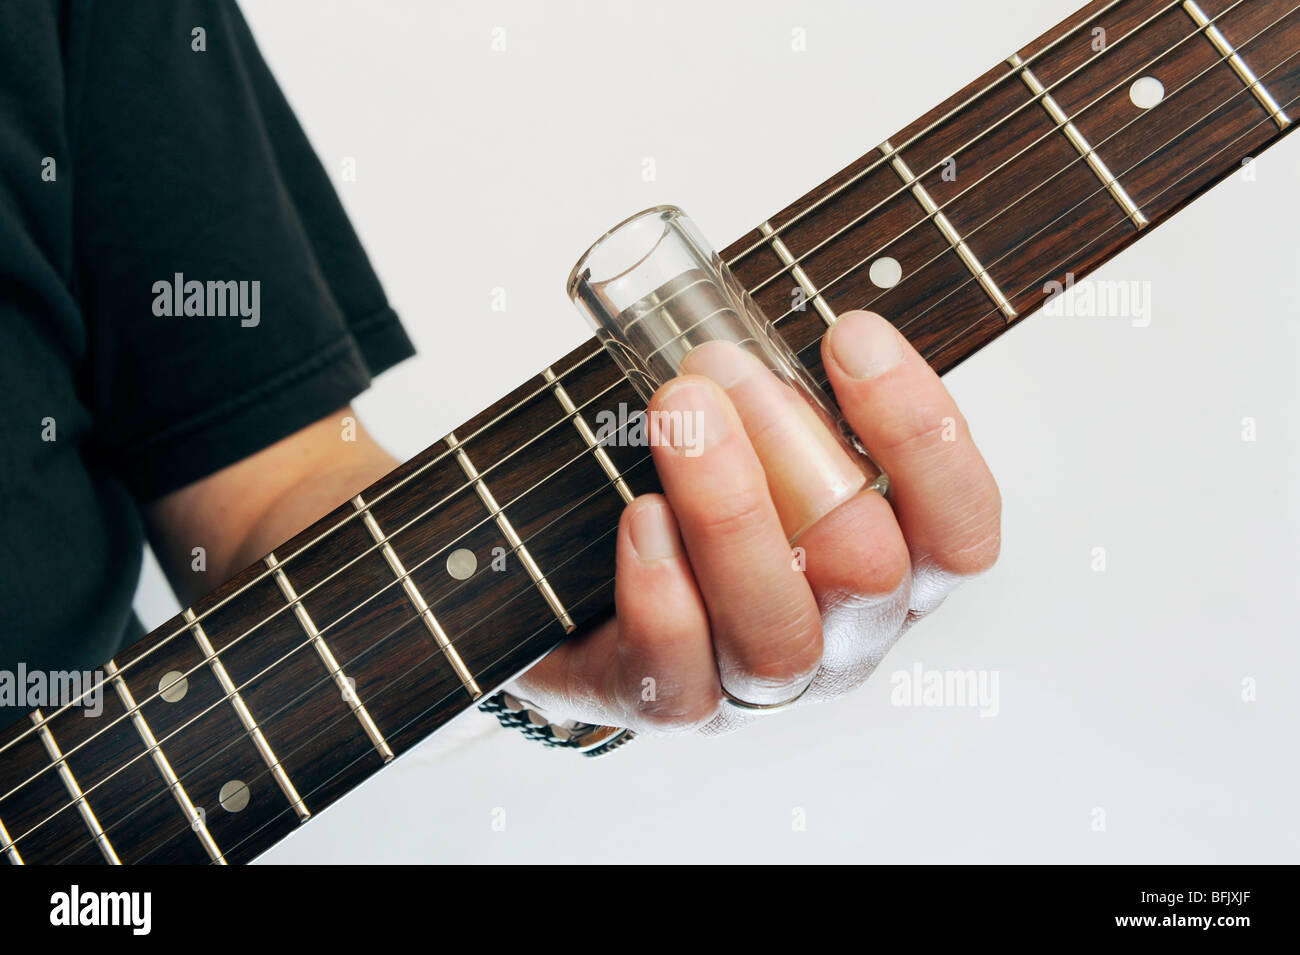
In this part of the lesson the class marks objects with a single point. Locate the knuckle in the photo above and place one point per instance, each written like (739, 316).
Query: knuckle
(885, 571)
(738, 517)
(972, 542)
(920, 430)
(787, 656)
(976, 554)
(680, 713)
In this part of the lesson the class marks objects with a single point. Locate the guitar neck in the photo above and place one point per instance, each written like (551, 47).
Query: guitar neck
(227, 727)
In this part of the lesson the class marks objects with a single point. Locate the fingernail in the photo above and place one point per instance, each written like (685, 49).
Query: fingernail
(653, 535)
(689, 418)
(865, 345)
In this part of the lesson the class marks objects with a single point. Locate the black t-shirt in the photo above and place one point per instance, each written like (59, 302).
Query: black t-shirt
(179, 288)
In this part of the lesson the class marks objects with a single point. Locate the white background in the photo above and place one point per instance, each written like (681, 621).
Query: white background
(1120, 691)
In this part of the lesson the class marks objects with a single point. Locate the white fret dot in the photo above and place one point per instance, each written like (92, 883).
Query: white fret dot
(234, 796)
(462, 563)
(885, 272)
(173, 686)
(1146, 92)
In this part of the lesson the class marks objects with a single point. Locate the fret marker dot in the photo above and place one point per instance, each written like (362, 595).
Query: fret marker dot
(1146, 92)
(173, 686)
(234, 796)
(462, 563)
(885, 272)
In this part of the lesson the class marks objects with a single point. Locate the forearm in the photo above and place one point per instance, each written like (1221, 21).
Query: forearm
(205, 533)
(302, 505)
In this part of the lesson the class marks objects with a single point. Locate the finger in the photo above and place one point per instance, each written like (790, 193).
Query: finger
(858, 565)
(652, 667)
(667, 677)
(808, 471)
(765, 624)
(943, 493)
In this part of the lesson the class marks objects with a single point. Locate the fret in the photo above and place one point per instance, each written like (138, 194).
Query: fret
(495, 617)
(1229, 52)
(245, 715)
(796, 272)
(7, 846)
(555, 493)
(511, 535)
(42, 822)
(949, 231)
(1079, 142)
(371, 622)
(1173, 150)
(74, 790)
(1019, 195)
(113, 769)
(327, 657)
(596, 385)
(195, 819)
(580, 422)
(874, 217)
(300, 708)
(208, 747)
(1265, 34)
(417, 599)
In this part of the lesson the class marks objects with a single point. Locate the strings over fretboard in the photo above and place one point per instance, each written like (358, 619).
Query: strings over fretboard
(230, 725)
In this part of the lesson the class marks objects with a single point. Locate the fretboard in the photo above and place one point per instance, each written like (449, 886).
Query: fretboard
(368, 631)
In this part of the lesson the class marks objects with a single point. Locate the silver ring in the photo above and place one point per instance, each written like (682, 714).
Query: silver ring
(740, 704)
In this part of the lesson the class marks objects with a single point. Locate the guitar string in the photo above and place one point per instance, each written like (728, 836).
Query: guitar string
(970, 233)
(1111, 228)
(1035, 100)
(956, 110)
(436, 653)
(442, 455)
(538, 484)
(413, 720)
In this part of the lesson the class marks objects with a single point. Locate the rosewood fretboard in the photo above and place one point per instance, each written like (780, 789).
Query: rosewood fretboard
(371, 629)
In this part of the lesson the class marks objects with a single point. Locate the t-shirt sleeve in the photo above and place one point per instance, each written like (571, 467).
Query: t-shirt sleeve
(228, 301)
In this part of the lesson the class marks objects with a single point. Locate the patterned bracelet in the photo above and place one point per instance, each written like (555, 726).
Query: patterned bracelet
(587, 738)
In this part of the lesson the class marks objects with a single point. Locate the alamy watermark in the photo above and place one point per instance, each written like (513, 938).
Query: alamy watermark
(625, 427)
(946, 688)
(1104, 298)
(177, 297)
(76, 907)
(53, 689)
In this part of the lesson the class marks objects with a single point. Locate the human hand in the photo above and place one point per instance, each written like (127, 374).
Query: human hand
(711, 603)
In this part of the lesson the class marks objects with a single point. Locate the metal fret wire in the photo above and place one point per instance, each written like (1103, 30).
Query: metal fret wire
(394, 534)
(609, 484)
(428, 464)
